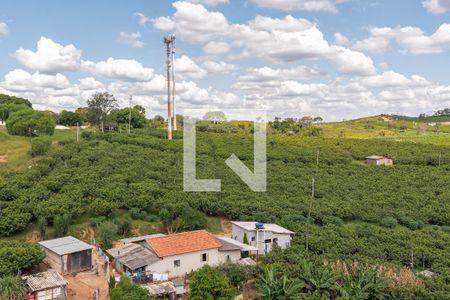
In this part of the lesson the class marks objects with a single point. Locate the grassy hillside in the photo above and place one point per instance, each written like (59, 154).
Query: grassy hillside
(350, 217)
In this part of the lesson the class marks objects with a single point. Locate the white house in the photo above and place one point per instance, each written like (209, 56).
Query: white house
(182, 253)
(262, 236)
(177, 254)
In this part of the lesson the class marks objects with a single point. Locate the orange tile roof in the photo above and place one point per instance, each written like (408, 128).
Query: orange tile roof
(184, 242)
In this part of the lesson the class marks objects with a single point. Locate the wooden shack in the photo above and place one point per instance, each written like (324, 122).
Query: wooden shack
(49, 285)
(67, 254)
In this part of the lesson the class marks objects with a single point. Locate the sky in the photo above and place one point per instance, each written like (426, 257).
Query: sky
(338, 59)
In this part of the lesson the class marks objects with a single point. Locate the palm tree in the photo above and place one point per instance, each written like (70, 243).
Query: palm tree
(273, 287)
(318, 279)
(12, 288)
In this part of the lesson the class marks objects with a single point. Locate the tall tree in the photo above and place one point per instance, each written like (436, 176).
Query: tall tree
(100, 107)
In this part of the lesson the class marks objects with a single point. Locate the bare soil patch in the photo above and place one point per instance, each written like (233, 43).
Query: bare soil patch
(3, 159)
(83, 285)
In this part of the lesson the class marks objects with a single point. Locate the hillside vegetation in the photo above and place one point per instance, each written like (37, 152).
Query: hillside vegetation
(391, 216)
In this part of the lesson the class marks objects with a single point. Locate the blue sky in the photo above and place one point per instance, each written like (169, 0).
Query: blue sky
(279, 55)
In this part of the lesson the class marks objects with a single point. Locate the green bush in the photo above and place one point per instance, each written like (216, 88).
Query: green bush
(389, 222)
(18, 255)
(126, 290)
(30, 122)
(40, 146)
(106, 234)
(410, 222)
(332, 220)
(208, 284)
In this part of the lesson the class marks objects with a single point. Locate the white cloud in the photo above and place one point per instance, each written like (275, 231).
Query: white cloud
(353, 62)
(89, 83)
(275, 40)
(307, 5)
(436, 6)
(193, 22)
(22, 81)
(50, 57)
(186, 68)
(3, 28)
(164, 23)
(209, 2)
(132, 39)
(410, 39)
(120, 69)
(143, 20)
(340, 39)
(218, 67)
(216, 48)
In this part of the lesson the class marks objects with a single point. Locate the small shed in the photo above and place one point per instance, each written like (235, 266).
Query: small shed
(164, 290)
(376, 160)
(49, 285)
(132, 258)
(67, 254)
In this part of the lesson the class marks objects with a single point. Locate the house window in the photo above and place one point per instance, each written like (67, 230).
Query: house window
(267, 241)
(56, 292)
(253, 238)
(176, 263)
(228, 258)
(41, 295)
(275, 241)
(204, 257)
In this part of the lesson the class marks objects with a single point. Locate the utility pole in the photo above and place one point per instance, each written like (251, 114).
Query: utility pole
(78, 133)
(317, 158)
(168, 41)
(173, 84)
(309, 215)
(129, 114)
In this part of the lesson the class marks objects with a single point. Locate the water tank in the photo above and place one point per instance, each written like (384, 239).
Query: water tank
(259, 225)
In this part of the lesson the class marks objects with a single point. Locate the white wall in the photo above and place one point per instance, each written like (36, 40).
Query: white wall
(284, 240)
(188, 262)
(235, 255)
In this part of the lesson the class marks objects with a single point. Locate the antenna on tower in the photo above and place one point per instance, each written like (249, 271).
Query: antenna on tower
(173, 84)
(168, 41)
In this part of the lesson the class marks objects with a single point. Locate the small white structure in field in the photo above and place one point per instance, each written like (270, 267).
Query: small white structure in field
(377, 160)
(262, 236)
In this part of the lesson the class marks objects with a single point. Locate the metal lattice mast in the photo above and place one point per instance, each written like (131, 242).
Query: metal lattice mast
(168, 41)
(173, 84)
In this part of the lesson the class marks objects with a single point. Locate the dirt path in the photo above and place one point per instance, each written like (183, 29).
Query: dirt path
(3, 159)
(83, 285)
(226, 227)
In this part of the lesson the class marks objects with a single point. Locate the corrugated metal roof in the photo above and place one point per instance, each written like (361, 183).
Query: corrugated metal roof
(44, 280)
(65, 245)
(133, 256)
(141, 238)
(160, 289)
(229, 244)
(250, 226)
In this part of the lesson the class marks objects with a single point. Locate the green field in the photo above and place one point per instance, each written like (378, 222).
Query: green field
(372, 215)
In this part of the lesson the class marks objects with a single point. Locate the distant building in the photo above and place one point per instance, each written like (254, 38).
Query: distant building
(262, 236)
(67, 254)
(379, 160)
(49, 285)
